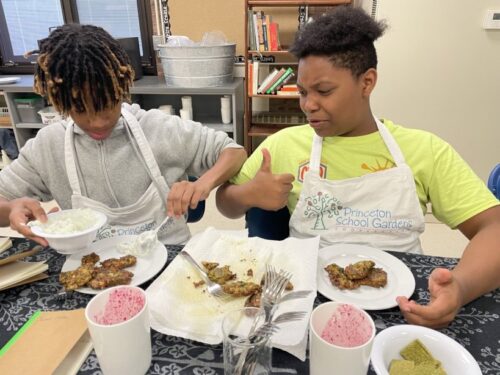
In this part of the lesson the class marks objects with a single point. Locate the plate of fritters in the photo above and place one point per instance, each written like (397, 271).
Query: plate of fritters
(364, 276)
(101, 266)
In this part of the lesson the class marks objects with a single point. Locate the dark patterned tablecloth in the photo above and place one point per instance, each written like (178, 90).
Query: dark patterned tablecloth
(477, 327)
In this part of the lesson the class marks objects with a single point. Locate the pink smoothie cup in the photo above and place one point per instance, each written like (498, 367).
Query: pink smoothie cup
(340, 339)
(118, 322)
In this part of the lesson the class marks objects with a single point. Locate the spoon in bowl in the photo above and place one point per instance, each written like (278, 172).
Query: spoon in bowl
(143, 243)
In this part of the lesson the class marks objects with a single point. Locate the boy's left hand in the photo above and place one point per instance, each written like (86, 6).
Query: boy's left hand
(445, 301)
(185, 194)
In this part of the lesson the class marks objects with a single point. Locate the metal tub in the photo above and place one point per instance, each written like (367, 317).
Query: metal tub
(197, 66)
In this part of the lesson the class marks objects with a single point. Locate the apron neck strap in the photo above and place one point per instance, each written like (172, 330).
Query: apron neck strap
(315, 160)
(70, 160)
(390, 143)
(143, 145)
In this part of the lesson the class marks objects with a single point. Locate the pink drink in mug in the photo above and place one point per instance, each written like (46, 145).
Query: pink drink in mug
(123, 304)
(118, 322)
(340, 339)
(348, 327)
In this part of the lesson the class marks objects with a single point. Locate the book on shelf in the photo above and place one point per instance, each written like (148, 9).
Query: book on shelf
(255, 31)
(274, 43)
(255, 77)
(267, 38)
(263, 32)
(260, 30)
(288, 90)
(271, 82)
(279, 81)
(251, 32)
(291, 87)
(266, 80)
(250, 78)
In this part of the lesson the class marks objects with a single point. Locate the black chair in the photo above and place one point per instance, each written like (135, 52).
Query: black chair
(270, 225)
(195, 214)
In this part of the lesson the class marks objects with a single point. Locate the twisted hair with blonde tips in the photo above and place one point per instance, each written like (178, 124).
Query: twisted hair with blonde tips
(82, 68)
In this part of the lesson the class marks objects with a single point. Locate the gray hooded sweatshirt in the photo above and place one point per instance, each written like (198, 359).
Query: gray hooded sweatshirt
(180, 148)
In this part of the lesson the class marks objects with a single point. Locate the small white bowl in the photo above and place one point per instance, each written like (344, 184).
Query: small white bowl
(454, 358)
(71, 243)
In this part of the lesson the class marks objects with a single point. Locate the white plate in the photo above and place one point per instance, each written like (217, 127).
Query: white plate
(7, 80)
(145, 268)
(454, 358)
(400, 280)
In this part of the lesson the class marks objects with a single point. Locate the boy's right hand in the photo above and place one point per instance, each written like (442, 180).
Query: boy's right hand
(271, 190)
(23, 210)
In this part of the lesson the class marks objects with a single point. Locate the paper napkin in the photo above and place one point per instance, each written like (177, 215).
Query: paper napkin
(178, 308)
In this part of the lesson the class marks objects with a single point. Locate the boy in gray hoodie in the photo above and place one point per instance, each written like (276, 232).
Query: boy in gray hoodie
(114, 157)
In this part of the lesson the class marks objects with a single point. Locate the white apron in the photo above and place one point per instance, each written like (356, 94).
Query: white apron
(379, 209)
(149, 210)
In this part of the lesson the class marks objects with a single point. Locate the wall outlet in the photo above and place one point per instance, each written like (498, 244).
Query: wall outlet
(491, 20)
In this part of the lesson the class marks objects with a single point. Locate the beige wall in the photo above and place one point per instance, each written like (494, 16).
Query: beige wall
(194, 17)
(438, 69)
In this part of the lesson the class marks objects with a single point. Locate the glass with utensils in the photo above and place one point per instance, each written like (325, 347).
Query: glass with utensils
(246, 349)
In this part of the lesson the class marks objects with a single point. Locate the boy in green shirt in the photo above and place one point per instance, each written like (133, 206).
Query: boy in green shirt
(369, 172)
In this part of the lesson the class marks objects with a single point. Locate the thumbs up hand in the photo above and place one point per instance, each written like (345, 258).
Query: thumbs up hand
(271, 190)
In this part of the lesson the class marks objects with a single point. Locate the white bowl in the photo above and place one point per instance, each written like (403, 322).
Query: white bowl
(71, 243)
(455, 359)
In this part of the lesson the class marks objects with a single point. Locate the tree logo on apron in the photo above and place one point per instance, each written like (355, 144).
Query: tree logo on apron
(319, 205)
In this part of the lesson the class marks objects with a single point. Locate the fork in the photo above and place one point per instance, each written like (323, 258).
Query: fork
(268, 329)
(213, 288)
(297, 294)
(275, 284)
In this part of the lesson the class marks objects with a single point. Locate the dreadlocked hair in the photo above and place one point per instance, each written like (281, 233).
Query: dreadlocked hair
(82, 68)
(345, 36)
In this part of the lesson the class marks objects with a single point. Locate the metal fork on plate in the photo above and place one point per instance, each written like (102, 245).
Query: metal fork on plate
(274, 286)
(270, 328)
(213, 288)
(297, 294)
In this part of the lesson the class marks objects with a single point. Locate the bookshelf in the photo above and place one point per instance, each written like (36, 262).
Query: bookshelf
(276, 106)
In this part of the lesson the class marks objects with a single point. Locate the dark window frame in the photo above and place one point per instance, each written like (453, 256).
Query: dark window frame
(70, 15)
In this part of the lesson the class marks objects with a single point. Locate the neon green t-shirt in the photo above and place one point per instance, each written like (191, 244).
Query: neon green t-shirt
(441, 176)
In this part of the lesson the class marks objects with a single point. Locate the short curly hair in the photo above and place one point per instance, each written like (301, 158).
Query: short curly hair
(344, 35)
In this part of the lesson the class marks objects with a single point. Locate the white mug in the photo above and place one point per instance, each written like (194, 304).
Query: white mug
(331, 359)
(123, 347)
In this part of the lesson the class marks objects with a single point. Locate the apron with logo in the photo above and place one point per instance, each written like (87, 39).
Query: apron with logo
(379, 209)
(149, 210)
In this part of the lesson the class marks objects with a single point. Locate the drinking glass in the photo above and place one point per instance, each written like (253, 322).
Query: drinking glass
(244, 354)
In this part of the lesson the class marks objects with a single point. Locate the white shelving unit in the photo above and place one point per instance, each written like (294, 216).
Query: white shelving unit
(150, 92)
